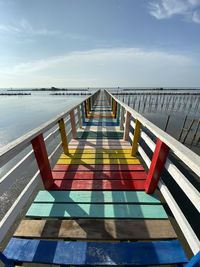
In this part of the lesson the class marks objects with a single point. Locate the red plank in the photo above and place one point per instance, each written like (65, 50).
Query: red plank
(118, 175)
(157, 165)
(120, 167)
(98, 185)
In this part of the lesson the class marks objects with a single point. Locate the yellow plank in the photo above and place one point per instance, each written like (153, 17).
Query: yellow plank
(98, 161)
(96, 156)
(96, 151)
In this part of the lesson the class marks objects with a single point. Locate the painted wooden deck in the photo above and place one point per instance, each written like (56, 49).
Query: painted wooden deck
(98, 194)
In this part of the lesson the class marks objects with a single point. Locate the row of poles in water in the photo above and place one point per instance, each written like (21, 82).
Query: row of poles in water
(186, 105)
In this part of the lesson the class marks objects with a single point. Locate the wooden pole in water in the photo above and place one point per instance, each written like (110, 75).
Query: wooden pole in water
(196, 131)
(179, 138)
(167, 122)
(188, 131)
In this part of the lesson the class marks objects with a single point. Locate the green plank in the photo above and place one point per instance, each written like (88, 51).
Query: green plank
(95, 197)
(100, 135)
(96, 211)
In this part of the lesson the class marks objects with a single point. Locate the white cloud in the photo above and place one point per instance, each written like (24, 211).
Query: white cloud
(105, 67)
(163, 9)
(24, 27)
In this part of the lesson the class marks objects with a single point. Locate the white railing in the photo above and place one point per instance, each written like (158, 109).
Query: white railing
(72, 117)
(184, 154)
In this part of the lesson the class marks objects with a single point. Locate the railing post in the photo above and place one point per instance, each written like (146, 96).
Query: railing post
(73, 124)
(85, 107)
(79, 116)
(122, 118)
(63, 136)
(41, 156)
(127, 126)
(136, 137)
(157, 165)
(115, 110)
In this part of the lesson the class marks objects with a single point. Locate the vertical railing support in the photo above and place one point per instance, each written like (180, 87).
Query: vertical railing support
(122, 118)
(157, 165)
(115, 110)
(127, 126)
(63, 136)
(79, 116)
(41, 156)
(73, 124)
(136, 137)
(85, 108)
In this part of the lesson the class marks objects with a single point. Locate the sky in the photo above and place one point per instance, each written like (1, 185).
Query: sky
(99, 43)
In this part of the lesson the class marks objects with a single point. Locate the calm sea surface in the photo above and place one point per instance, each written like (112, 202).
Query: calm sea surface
(20, 114)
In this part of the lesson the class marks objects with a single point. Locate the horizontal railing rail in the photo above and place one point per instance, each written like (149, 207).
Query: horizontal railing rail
(58, 132)
(160, 160)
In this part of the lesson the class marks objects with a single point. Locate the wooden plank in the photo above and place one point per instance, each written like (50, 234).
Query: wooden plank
(99, 135)
(83, 210)
(95, 197)
(96, 229)
(97, 151)
(96, 156)
(101, 142)
(98, 161)
(100, 167)
(141, 175)
(95, 253)
(98, 185)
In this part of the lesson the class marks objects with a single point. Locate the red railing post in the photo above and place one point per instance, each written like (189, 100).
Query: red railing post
(42, 160)
(157, 165)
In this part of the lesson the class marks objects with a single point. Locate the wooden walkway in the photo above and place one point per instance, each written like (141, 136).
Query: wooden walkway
(98, 195)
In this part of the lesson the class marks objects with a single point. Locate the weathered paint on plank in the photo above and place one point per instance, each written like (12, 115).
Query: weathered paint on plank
(98, 185)
(100, 167)
(96, 156)
(96, 211)
(96, 229)
(99, 135)
(98, 161)
(95, 197)
(99, 151)
(100, 175)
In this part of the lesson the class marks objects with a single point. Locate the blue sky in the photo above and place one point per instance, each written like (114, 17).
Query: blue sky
(99, 43)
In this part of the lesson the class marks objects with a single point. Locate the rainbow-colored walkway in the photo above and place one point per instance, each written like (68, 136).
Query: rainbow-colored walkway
(98, 195)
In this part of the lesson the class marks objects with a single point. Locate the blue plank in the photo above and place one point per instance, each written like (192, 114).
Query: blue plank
(93, 253)
(195, 261)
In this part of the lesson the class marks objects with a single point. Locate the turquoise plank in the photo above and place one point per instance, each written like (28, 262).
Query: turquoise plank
(95, 253)
(96, 197)
(97, 211)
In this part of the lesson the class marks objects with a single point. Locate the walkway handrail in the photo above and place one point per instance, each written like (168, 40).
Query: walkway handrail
(187, 156)
(36, 139)
(190, 158)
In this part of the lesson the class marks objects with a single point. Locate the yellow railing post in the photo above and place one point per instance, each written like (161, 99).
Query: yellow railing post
(122, 118)
(136, 137)
(63, 136)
